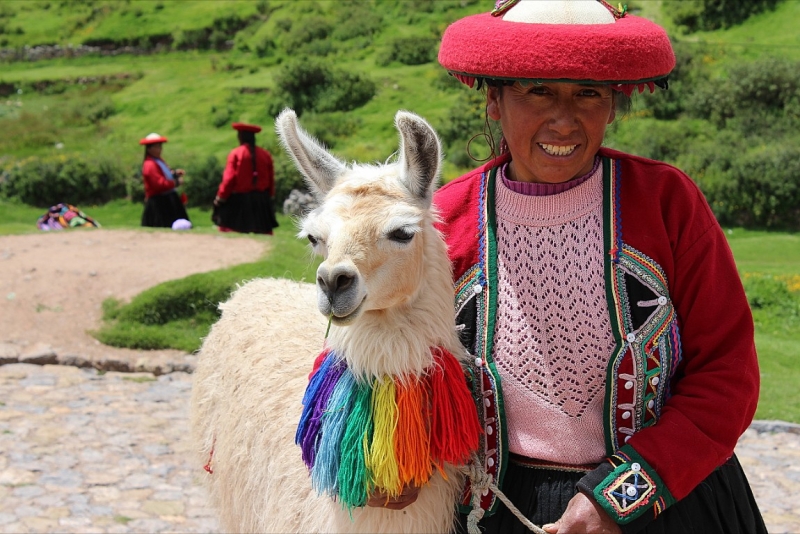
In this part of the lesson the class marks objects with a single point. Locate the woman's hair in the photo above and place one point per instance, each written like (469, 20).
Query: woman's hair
(250, 139)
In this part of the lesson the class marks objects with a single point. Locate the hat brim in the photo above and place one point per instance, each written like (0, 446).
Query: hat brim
(242, 127)
(152, 141)
(632, 50)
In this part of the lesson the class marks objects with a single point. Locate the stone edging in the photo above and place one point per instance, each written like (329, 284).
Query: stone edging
(43, 354)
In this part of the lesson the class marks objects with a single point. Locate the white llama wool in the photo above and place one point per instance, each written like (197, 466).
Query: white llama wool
(385, 282)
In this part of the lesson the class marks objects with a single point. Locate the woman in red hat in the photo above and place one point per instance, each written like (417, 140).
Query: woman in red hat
(612, 354)
(162, 205)
(244, 198)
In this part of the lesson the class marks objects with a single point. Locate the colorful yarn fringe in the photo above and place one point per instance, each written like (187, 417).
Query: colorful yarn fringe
(359, 437)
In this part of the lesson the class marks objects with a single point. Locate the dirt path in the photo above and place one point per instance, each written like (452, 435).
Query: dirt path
(52, 285)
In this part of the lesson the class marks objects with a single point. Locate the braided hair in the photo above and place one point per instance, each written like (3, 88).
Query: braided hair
(250, 139)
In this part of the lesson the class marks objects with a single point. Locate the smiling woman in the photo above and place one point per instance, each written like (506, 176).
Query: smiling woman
(587, 281)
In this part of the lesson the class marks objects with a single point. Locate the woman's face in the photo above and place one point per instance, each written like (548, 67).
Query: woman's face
(553, 130)
(154, 150)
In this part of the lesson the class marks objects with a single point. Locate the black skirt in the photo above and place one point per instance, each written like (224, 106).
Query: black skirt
(722, 504)
(162, 210)
(247, 213)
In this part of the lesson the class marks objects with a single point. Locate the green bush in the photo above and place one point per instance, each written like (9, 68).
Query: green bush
(311, 85)
(300, 35)
(759, 187)
(709, 15)
(462, 128)
(78, 180)
(410, 51)
(202, 181)
(755, 98)
(287, 177)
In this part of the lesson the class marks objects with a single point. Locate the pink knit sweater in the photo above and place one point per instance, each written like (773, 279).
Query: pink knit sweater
(552, 336)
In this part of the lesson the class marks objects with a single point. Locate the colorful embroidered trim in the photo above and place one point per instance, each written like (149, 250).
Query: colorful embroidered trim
(631, 488)
(357, 437)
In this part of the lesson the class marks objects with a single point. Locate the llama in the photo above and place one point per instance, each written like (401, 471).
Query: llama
(384, 290)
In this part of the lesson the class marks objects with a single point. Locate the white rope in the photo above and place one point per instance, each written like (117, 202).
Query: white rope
(481, 481)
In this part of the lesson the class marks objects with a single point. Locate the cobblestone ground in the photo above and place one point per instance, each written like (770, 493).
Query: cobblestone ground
(87, 452)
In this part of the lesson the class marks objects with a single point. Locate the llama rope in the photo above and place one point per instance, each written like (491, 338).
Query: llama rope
(480, 481)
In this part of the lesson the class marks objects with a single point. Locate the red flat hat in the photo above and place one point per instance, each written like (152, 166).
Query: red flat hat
(558, 40)
(242, 127)
(152, 139)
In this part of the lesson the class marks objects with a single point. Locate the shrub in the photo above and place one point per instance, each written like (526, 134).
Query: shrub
(311, 85)
(43, 182)
(755, 98)
(410, 51)
(465, 120)
(287, 177)
(312, 28)
(202, 181)
(356, 20)
(757, 188)
(709, 15)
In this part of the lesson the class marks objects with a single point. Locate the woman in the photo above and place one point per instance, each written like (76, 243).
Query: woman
(615, 366)
(244, 198)
(162, 205)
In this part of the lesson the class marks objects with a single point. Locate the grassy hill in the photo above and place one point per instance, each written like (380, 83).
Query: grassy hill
(192, 96)
(187, 69)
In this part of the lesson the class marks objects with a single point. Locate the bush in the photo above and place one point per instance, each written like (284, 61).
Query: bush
(757, 188)
(356, 19)
(202, 181)
(410, 51)
(709, 15)
(464, 121)
(757, 97)
(43, 182)
(310, 85)
(287, 177)
(300, 35)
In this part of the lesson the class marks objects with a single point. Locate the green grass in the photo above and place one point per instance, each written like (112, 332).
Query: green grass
(769, 263)
(179, 313)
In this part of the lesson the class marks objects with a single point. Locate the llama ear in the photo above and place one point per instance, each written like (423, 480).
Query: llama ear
(316, 164)
(420, 154)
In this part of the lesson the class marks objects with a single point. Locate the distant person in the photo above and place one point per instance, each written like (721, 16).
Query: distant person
(162, 205)
(244, 198)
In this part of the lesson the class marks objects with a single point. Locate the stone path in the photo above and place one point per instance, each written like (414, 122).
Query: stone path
(82, 451)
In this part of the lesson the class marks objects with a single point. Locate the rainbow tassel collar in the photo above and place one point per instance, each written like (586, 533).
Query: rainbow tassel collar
(358, 437)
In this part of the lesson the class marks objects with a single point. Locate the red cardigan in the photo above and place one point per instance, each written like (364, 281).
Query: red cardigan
(155, 183)
(238, 175)
(692, 360)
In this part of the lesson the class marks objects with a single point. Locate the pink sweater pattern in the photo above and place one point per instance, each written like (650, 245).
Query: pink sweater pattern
(552, 337)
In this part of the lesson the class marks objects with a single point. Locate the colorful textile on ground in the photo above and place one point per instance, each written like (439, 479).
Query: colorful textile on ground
(358, 437)
(63, 216)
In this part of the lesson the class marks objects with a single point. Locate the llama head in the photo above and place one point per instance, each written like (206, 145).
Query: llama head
(372, 221)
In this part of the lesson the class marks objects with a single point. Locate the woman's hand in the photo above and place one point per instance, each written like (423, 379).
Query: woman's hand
(408, 496)
(583, 516)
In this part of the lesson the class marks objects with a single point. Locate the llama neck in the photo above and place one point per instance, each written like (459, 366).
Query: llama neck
(397, 341)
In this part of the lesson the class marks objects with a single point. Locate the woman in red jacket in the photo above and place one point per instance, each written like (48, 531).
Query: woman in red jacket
(244, 198)
(162, 205)
(613, 361)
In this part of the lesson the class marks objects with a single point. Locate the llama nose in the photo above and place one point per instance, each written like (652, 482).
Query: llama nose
(336, 281)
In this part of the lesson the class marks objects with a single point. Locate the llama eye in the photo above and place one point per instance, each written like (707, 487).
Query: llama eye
(401, 235)
(313, 240)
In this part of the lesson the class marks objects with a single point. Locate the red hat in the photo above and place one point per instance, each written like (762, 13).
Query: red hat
(152, 139)
(558, 40)
(242, 127)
